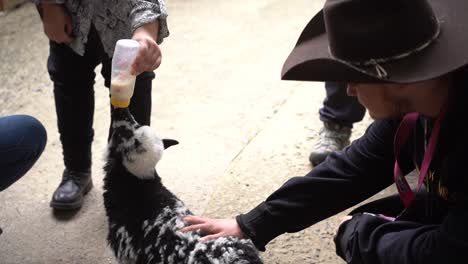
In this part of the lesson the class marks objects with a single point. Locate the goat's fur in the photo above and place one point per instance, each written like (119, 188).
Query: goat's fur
(144, 217)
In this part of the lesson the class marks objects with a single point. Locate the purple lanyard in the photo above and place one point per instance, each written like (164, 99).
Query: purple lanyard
(402, 134)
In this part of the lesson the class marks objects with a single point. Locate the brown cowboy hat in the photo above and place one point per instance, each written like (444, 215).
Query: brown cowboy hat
(395, 41)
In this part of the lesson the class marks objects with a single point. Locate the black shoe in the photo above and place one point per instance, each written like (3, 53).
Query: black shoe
(74, 186)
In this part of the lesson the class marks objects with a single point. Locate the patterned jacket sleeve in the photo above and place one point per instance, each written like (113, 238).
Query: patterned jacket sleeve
(37, 2)
(146, 11)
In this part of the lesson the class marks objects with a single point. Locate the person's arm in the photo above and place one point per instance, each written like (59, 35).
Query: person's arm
(341, 181)
(368, 238)
(149, 28)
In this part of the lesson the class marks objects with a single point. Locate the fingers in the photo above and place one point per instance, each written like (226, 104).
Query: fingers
(345, 218)
(198, 223)
(65, 38)
(149, 57)
(193, 228)
(157, 62)
(203, 224)
(214, 227)
(136, 68)
(202, 227)
(195, 223)
(69, 31)
(191, 220)
(210, 237)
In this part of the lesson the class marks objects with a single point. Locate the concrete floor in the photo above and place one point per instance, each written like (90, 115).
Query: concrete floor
(242, 131)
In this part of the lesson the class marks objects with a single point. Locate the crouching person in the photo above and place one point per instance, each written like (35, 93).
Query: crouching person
(22, 141)
(406, 62)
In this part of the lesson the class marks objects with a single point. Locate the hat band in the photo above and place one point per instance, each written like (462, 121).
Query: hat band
(381, 72)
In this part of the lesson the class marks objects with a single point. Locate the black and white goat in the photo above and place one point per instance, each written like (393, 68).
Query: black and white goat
(144, 217)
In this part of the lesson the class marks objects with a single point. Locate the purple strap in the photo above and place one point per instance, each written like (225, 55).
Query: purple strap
(403, 132)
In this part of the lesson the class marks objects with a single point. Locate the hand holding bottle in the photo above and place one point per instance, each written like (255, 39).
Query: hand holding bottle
(149, 56)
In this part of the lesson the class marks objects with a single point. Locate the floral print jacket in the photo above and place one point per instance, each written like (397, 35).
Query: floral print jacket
(113, 19)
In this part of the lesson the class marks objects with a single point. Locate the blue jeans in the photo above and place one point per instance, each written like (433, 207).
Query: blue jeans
(340, 108)
(22, 140)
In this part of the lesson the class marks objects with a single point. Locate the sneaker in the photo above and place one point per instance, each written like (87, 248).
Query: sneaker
(332, 137)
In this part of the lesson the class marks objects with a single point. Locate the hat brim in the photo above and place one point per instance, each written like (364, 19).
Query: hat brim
(310, 59)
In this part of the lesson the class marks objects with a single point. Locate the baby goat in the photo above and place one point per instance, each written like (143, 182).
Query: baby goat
(144, 217)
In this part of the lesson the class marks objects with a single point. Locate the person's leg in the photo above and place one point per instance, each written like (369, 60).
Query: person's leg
(22, 141)
(141, 103)
(339, 113)
(73, 76)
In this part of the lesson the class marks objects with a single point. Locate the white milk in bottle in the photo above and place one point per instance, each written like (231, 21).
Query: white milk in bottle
(122, 81)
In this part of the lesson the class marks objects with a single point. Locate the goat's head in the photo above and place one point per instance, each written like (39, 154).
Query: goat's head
(136, 146)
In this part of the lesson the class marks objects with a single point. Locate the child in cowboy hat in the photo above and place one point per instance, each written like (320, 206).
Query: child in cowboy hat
(405, 61)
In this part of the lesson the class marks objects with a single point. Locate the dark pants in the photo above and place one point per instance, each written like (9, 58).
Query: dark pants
(340, 108)
(22, 140)
(73, 76)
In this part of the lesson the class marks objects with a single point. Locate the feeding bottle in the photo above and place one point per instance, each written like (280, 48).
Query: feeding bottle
(122, 81)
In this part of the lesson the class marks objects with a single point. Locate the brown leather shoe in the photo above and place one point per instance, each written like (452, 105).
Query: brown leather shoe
(74, 186)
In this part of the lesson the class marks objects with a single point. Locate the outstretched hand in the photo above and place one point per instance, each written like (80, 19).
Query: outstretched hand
(214, 227)
(149, 57)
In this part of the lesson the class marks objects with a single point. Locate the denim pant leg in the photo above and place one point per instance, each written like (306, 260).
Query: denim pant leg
(340, 108)
(73, 77)
(141, 102)
(22, 141)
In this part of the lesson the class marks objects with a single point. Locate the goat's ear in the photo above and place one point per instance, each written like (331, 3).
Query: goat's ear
(169, 142)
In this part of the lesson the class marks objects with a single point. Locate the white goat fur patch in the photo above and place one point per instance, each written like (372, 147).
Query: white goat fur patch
(141, 161)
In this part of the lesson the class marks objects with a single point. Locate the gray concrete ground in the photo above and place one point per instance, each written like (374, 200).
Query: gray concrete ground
(242, 131)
